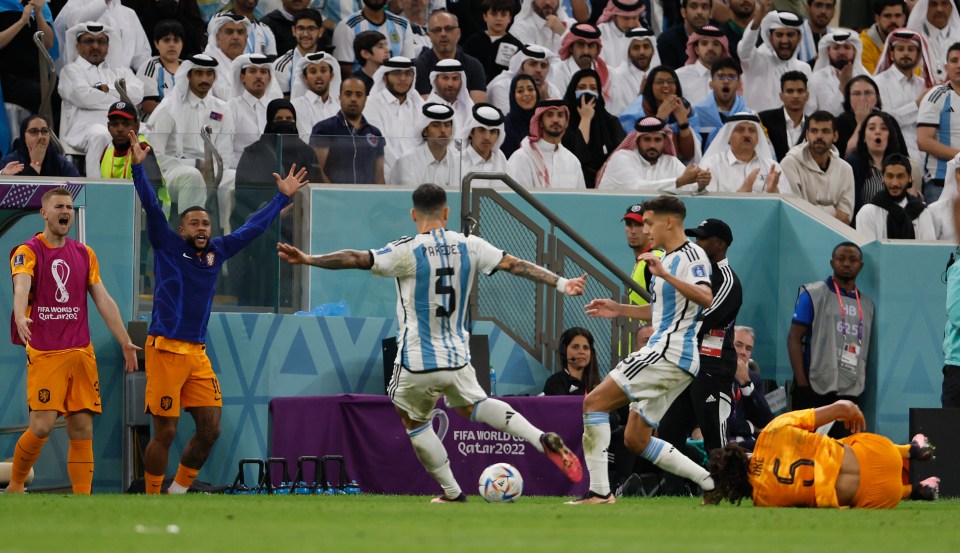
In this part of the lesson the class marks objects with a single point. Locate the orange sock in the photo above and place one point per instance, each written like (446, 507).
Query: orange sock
(28, 449)
(185, 476)
(907, 490)
(80, 466)
(153, 483)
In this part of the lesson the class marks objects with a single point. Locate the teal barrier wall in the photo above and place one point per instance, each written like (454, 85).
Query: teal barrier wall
(777, 247)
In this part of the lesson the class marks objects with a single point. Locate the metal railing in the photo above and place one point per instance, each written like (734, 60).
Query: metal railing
(513, 304)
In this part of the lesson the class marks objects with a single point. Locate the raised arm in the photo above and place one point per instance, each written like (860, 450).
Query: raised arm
(536, 273)
(158, 230)
(843, 410)
(111, 315)
(343, 259)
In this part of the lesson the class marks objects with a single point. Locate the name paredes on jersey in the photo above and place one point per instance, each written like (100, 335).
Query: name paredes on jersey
(56, 313)
(442, 249)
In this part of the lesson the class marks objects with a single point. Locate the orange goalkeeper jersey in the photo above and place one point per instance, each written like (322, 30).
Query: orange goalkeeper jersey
(793, 466)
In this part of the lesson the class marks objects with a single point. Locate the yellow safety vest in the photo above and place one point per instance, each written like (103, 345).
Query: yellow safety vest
(113, 167)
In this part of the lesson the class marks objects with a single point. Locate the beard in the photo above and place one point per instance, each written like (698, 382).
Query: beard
(839, 64)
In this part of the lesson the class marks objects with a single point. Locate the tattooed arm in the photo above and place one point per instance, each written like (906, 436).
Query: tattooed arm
(536, 273)
(343, 259)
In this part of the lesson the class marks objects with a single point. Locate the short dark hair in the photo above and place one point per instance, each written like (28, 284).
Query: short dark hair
(683, 3)
(879, 5)
(666, 204)
(812, 1)
(429, 198)
(725, 62)
(846, 245)
(308, 13)
(167, 27)
(896, 159)
(792, 76)
(729, 467)
(364, 42)
(497, 6)
(357, 79)
(822, 116)
(191, 209)
(954, 46)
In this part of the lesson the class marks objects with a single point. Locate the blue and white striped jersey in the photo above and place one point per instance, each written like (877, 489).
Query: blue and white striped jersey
(940, 108)
(396, 28)
(675, 318)
(435, 272)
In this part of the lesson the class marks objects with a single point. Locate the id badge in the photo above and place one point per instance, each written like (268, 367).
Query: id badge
(504, 53)
(849, 356)
(712, 344)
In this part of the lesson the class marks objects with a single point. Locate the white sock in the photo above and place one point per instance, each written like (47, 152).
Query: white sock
(596, 440)
(501, 416)
(433, 457)
(175, 489)
(670, 459)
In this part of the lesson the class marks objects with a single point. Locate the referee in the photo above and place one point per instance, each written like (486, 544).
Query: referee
(706, 403)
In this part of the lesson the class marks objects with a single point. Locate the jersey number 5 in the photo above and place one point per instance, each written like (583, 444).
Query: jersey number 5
(441, 288)
(788, 480)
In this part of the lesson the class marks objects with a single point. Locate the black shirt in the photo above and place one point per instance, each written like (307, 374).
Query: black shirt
(20, 55)
(719, 318)
(562, 384)
(486, 51)
(349, 160)
(476, 80)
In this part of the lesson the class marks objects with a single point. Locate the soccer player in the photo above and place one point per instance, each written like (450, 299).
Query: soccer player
(651, 378)
(793, 466)
(434, 272)
(52, 274)
(187, 264)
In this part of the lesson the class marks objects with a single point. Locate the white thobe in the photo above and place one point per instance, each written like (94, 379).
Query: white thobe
(727, 173)
(615, 43)
(628, 170)
(695, 82)
(625, 85)
(762, 69)
(311, 109)
(898, 95)
(134, 47)
(562, 166)
(85, 107)
(396, 121)
(419, 166)
(941, 214)
(249, 118)
(534, 30)
(471, 161)
(825, 93)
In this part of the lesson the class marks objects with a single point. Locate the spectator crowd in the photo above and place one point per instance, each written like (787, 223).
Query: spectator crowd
(692, 96)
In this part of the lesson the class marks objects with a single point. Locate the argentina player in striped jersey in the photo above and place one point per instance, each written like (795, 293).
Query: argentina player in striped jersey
(651, 378)
(434, 273)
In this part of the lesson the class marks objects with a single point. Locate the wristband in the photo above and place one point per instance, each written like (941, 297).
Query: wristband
(562, 285)
(746, 389)
(684, 126)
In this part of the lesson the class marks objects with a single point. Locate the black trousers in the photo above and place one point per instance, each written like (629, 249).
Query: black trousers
(803, 397)
(951, 386)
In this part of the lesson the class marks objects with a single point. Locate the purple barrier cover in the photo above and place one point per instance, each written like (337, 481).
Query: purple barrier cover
(367, 432)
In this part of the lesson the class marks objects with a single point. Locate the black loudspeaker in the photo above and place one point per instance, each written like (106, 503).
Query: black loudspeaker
(940, 427)
(479, 358)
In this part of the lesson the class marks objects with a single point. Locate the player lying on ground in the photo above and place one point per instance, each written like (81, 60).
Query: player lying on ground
(793, 466)
(434, 273)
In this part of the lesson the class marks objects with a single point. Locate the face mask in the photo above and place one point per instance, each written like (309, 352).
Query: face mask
(580, 94)
(285, 127)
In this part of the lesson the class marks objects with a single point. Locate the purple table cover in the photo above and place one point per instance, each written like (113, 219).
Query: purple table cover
(367, 432)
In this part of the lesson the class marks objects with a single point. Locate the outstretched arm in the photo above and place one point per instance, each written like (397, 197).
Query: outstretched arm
(343, 259)
(536, 273)
(605, 308)
(111, 315)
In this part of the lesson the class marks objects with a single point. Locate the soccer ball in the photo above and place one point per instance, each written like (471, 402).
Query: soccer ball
(501, 483)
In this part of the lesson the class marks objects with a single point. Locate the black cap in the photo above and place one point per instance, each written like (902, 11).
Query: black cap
(634, 213)
(122, 109)
(712, 228)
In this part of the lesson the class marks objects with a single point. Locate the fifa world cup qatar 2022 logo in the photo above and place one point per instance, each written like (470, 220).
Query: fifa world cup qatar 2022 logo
(61, 272)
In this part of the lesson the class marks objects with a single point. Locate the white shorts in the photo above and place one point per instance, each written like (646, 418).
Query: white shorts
(651, 382)
(416, 393)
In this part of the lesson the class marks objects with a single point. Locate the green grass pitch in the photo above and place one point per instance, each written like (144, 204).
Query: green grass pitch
(357, 524)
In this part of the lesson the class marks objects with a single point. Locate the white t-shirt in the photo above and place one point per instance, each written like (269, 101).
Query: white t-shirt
(434, 274)
(940, 108)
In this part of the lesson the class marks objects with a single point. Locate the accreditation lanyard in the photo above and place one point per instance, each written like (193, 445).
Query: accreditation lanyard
(843, 312)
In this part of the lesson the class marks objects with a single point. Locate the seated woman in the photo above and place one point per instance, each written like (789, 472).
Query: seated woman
(580, 372)
(662, 97)
(878, 137)
(794, 466)
(32, 154)
(593, 133)
(524, 97)
(861, 97)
